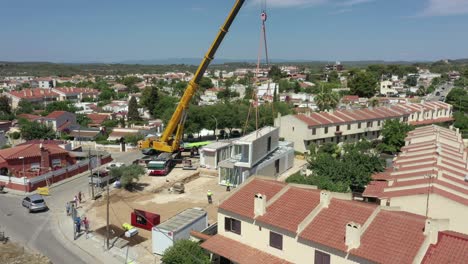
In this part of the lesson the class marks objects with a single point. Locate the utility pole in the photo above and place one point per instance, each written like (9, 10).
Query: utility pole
(91, 172)
(107, 227)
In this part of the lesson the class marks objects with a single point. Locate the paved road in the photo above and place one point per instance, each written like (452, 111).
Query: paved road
(35, 230)
(441, 90)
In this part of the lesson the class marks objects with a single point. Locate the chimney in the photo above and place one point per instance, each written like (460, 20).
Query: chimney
(325, 198)
(353, 235)
(259, 204)
(45, 157)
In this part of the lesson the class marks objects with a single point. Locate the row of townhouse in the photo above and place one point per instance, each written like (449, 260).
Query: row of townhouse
(46, 96)
(268, 221)
(353, 125)
(429, 177)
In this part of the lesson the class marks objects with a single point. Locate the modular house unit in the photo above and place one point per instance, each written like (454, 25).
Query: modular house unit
(178, 227)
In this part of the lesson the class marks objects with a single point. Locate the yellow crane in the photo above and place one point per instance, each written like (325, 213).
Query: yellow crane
(168, 142)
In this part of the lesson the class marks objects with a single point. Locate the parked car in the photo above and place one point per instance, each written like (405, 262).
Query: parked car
(34, 202)
(115, 165)
(235, 133)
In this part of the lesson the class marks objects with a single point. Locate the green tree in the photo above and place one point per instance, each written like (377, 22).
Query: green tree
(185, 251)
(34, 130)
(458, 97)
(133, 114)
(363, 84)
(107, 94)
(134, 138)
(205, 83)
(128, 175)
(122, 122)
(326, 99)
(60, 106)
(150, 98)
(83, 120)
(5, 108)
(412, 81)
(275, 73)
(24, 107)
(394, 134)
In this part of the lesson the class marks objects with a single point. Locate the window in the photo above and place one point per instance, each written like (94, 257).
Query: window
(232, 225)
(277, 165)
(337, 128)
(369, 124)
(321, 257)
(359, 125)
(332, 139)
(365, 134)
(269, 144)
(314, 131)
(378, 123)
(276, 240)
(326, 130)
(345, 137)
(349, 126)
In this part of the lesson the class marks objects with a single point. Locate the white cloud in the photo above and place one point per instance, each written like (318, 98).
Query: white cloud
(289, 3)
(354, 2)
(445, 8)
(341, 11)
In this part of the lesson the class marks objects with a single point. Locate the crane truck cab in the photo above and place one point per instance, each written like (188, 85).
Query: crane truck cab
(163, 164)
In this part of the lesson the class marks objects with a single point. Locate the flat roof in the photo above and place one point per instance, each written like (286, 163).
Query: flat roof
(256, 134)
(182, 219)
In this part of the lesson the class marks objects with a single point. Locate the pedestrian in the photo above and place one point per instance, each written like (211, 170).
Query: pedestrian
(79, 196)
(228, 186)
(209, 194)
(78, 225)
(86, 225)
(68, 208)
(75, 200)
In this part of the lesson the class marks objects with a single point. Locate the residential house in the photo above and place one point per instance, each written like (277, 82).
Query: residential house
(353, 125)
(119, 88)
(258, 153)
(60, 121)
(75, 94)
(429, 177)
(97, 119)
(85, 134)
(36, 96)
(119, 133)
(116, 107)
(44, 83)
(212, 154)
(267, 221)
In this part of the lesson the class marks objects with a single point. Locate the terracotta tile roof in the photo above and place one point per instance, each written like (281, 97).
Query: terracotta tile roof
(30, 150)
(242, 201)
(36, 93)
(451, 247)
(29, 117)
(307, 120)
(238, 252)
(375, 189)
(291, 208)
(76, 91)
(55, 114)
(97, 118)
(432, 121)
(392, 238)
(329, 226)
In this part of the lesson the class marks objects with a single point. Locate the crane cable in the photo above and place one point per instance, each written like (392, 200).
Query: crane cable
(263, 46)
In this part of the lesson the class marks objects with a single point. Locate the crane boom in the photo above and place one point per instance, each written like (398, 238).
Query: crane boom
(176, 124)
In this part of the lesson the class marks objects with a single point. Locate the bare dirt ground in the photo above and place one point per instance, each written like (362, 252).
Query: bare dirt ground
(11, 253)
(152, 194)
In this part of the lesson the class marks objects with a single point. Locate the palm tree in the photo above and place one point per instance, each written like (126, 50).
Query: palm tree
(326, 99)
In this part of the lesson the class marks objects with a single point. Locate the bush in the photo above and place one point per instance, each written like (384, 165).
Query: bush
(185, 251)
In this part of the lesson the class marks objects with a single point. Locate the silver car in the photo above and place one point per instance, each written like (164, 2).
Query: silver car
(34, 202)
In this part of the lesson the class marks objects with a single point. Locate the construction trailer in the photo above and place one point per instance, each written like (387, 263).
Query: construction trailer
(178, 227)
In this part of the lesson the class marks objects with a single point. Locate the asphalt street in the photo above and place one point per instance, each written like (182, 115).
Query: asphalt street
(441, 90)
(38, 231)
(35, 231)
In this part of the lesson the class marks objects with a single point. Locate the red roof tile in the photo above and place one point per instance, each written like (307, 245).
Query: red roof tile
(36, 93)
(291, 208)
(375, 189)
(393, 238)
(55, 114)
(242, 201)
(238, 252)
(432, 121)
(329, 226)
(28, 117)
(451, 247)
(30, 150)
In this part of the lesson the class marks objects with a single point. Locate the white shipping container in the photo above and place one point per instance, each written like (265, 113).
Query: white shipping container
(178, 227)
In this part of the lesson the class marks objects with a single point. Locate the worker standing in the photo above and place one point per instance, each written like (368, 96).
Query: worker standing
(228, 186)
(86, 226)
(209, 194)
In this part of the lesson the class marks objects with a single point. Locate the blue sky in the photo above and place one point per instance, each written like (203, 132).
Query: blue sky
(118, 30)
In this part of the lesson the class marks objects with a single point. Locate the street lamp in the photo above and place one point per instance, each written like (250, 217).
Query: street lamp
(216, 125)
(24, 177)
